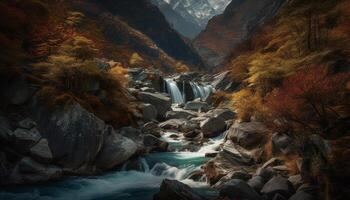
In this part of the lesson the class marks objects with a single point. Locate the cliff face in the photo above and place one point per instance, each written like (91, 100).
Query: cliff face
(225, 31)
(146, 17)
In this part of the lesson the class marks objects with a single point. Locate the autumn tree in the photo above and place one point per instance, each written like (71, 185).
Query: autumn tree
(312, 100)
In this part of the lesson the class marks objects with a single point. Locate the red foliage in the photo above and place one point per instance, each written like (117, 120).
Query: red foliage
(310, 99)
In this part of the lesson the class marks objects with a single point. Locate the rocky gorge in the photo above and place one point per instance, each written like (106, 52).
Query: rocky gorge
(179, 136)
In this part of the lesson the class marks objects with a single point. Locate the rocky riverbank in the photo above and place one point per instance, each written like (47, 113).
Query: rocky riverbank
(49, 144)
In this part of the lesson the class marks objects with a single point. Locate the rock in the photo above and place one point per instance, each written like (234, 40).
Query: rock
(41, 151)
(175, 190)
(75, 135)
(239, 154)
(5, 128)
(197, 106)
(148, 89)
(196, 175)
(18, 91)
(223, 82)
(4, 167)
(213, 126)
(279, 197)
(27, 124)
(322, 145)
(149, 112)
(223, 113)
(179, 115)
(159, 101)
(257, 183)
(191, 134)
(155, 144)
(242, 175)
(266, 172)
(301, 195)
(278, 185)
(282, 143)
(238, 189)
(210, 155)
(247, 134)
(116, 150)
(182, 125)
(23, 139)
(30, 171)
(296, 181)
(151, 128)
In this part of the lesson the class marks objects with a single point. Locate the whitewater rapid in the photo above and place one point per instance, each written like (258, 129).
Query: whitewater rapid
(126, 184)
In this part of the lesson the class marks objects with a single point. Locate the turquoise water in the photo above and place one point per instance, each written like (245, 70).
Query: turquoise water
(121, 185)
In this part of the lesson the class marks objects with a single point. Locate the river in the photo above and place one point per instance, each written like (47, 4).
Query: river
(124, 184)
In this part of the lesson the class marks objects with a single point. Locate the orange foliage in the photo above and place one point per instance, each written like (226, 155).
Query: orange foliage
(310, 99)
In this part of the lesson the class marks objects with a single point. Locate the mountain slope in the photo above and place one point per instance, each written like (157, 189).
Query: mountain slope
(225, 31)
(145, 17)
(187, 28)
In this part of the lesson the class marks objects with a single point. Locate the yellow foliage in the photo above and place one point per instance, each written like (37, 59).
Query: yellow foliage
(248, 104)
(135, 59)
(180, 67)
(121, 74)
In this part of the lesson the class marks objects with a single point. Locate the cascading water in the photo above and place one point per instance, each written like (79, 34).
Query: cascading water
(178, 97)
(174, 91)
(200, 91)
(127, 184)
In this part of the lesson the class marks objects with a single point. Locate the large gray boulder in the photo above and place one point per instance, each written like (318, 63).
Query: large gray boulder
(149, 112)
(247, 134)
(278, 185)
(179, 114)
(41, 151)
(175, 190)
(116, 150)
(151, 128)
(155, 144)
(224, 113)
(238, 189)
(161, 102)
(75, 135)
(257, 183)
(197, 106)
(182, 125)
(29, 171)
(213, 126)
(302, 195)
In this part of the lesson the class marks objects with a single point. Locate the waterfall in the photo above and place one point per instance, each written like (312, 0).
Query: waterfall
(174, 91)
(200, 91)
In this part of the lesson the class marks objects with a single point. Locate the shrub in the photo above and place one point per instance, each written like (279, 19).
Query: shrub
(311, 100)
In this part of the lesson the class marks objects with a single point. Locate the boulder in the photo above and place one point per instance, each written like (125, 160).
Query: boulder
(223, 82)
(238, 189)
(301, 195)
(239, 154)
(175, 190)
(282, 143)
(23, 139)
(41, 151)
(278, 185)
(75, 135)
(191, 134)
(197, 106)
(296, 180)
(149, 112)
(247, 134)
(161, 102)
(151, 128)
(224, 113)
(5, 128)
(239, 174)
(213, 126)
(116, 150)
(155, 144)
(182, 125)
(179, 114)
(257, 183)
(27, 124)
(29, 171)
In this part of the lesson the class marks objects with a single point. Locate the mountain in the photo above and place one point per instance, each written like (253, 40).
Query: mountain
(187, 28)
(147, 18)
(238, 21)
(196, 12)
